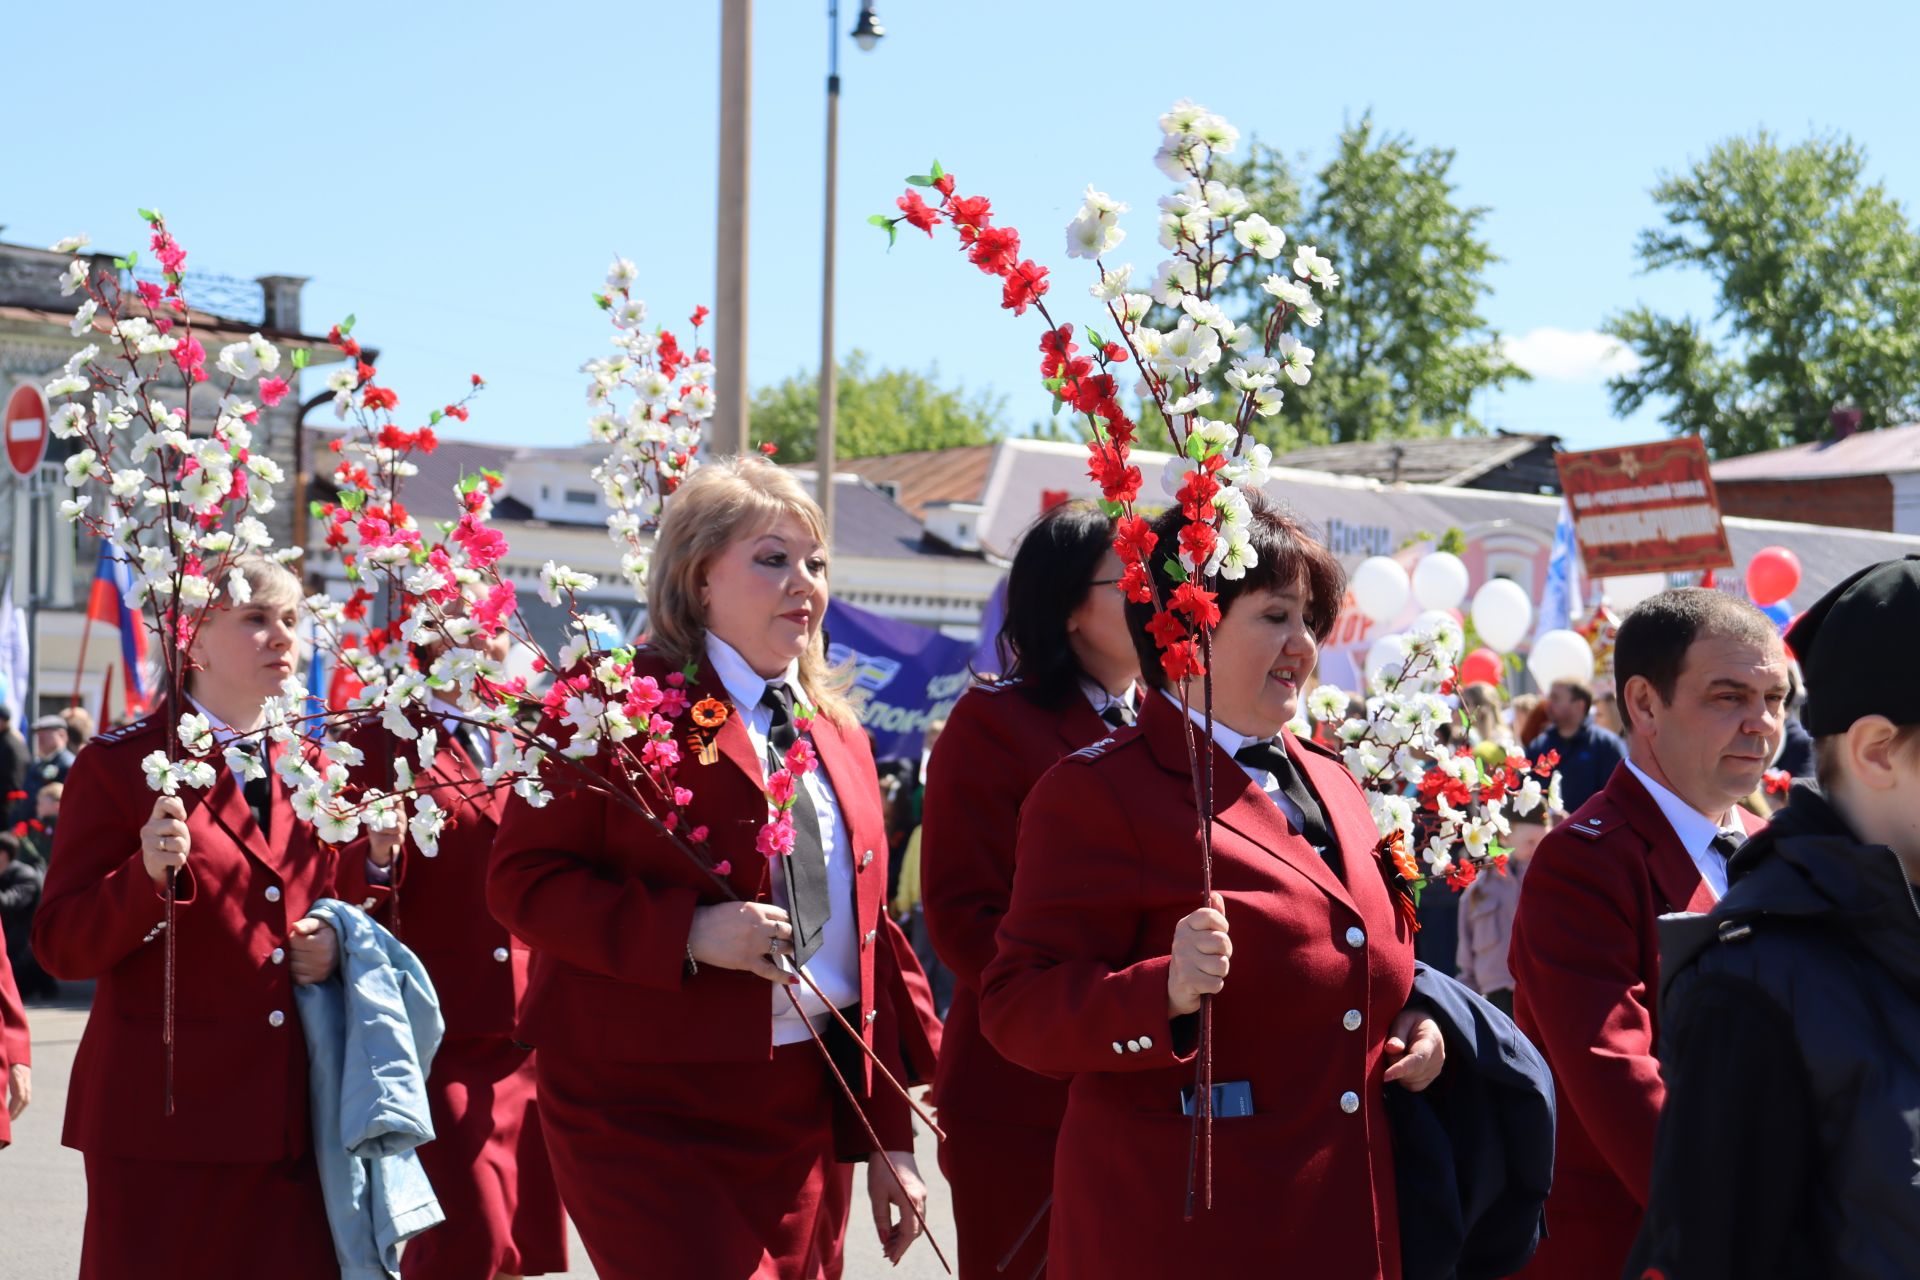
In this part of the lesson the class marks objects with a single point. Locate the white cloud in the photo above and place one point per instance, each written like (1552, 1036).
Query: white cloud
(1563, 355)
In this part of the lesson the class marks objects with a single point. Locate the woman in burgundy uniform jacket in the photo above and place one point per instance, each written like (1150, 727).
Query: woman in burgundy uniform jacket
(488, 1160)
(1103, 961)
(1072, 662)
(691, 1119)
(227, 1184)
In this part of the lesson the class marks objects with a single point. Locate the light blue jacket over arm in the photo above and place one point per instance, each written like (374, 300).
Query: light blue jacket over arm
(372, 1031)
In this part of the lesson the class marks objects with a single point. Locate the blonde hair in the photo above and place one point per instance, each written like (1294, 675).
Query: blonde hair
(725, 501)
(269, 582)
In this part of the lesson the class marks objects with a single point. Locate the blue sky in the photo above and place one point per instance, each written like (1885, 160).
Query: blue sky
(460, 183)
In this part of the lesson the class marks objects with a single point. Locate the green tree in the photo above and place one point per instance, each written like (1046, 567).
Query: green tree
(1403, 347)
(877, 411)
(1817, 277)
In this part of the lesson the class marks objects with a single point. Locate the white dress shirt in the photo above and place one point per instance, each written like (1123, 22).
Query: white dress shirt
(1100, 699)
(224, 736)
(453, 719)
(1231, 742)
(1695, 831)
(835, 967)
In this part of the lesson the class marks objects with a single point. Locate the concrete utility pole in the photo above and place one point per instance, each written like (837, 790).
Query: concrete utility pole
(727, 430)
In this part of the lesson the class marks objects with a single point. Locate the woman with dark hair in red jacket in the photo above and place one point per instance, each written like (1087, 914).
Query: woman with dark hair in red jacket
(1103, 960)
(1070, 682)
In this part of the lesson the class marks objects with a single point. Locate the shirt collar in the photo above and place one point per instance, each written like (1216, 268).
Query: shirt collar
(743, 684)
(222, 734)
(1100, 699)
(1694, 829)
(1230, 741)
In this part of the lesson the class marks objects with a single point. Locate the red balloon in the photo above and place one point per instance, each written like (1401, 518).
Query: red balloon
(1772, 575)
(1482, 666)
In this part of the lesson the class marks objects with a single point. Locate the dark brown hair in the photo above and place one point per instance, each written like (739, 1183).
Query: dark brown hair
(1287, 555)
(1654, 640)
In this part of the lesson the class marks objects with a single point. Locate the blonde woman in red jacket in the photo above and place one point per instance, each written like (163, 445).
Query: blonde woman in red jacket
(692, 1121)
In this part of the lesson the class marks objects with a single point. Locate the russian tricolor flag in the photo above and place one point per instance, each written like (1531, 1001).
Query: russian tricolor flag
(107, 604)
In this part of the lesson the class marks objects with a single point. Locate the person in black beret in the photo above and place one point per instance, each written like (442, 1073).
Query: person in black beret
(1790, 1142)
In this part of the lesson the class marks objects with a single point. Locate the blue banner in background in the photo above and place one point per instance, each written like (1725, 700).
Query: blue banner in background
(903, 675)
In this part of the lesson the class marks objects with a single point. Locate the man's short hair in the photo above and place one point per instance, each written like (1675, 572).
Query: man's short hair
(1578, 688)
(1654, 640)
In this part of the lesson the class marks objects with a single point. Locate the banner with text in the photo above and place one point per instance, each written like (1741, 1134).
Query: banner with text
(1645, 508)
(903, 675)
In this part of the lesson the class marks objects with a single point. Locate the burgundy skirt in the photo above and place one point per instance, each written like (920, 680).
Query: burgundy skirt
(188, 1220)
(715, 1170)
(1000, 1175)
(488, 1166)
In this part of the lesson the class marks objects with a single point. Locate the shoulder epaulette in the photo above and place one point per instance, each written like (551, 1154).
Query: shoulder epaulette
(125, 731)
(1592, 826)
(1094, 750)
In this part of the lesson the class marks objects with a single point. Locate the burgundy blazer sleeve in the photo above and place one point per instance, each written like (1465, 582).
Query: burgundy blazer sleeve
(16, 1046)
(1066, 986)
(969, 816)
(99, 903)
(544, 887)
(1577, 951)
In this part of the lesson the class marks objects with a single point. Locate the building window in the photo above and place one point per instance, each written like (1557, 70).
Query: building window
(583, 497)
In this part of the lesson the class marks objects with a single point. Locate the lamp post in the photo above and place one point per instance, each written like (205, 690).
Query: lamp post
(866, 33)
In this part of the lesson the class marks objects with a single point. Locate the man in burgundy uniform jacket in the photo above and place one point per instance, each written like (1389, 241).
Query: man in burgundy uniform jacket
(1702, 680)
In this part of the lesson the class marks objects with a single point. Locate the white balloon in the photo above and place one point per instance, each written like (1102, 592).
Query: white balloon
(1625, 592)
(1388, 653)
(1560, 655)
(1380, 588)
(1502, 613)
(1440, 581)
(1444, 625)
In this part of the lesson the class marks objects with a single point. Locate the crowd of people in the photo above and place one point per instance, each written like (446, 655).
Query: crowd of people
(1705, 1028)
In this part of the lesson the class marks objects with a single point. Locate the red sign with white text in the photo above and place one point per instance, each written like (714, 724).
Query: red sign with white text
(26, 429)
(1645, 508)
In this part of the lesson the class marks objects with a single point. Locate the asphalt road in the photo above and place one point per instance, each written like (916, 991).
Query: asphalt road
(43, 1192)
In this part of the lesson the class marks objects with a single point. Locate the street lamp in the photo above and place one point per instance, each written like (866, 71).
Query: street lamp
(866, 33)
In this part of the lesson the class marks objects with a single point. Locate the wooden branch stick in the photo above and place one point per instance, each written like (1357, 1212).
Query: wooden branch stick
(867, 1125)
(926, 1117)
(1033, 1225)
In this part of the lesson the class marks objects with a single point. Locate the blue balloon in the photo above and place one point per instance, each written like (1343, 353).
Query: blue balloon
(1779, 612)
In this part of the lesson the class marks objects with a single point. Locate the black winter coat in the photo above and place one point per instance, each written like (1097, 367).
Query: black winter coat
(1790, 1142)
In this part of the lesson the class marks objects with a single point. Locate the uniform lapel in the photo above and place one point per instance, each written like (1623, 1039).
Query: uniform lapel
(1673, 872)
(1358, 838)
(1081, 725)
(1237, 803)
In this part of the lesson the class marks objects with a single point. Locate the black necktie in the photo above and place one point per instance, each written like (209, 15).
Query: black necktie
(1728, 843)
(469, 739)
(257, 790)
(1117, 714)
(808, 901)
(1272, 757)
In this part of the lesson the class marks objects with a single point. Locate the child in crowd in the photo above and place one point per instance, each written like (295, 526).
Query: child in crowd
(1486, 914)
